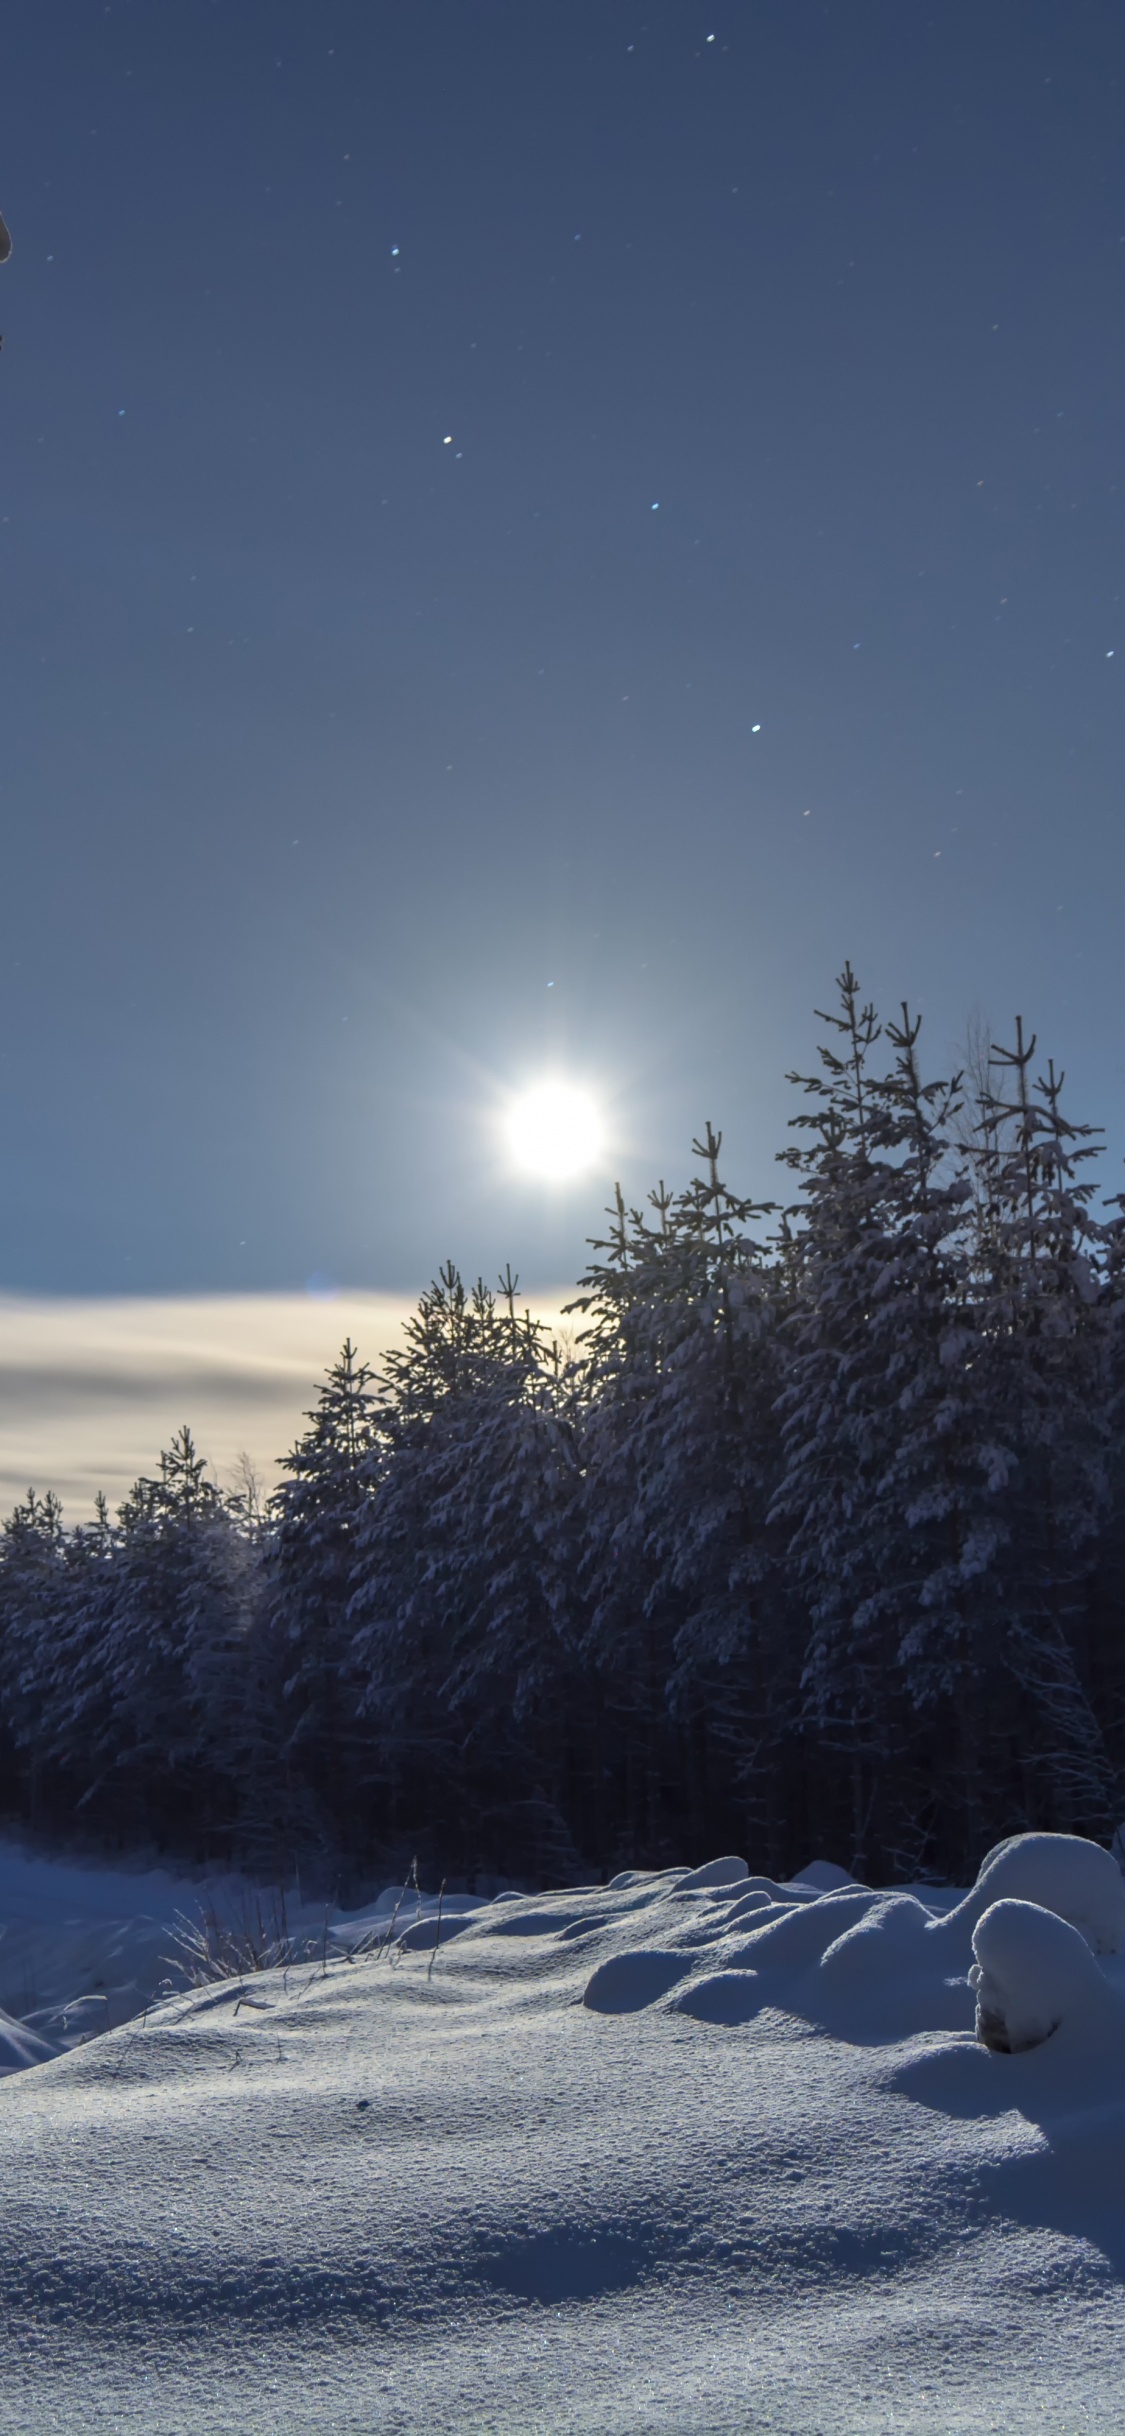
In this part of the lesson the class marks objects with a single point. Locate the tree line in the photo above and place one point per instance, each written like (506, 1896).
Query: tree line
(812, 1539)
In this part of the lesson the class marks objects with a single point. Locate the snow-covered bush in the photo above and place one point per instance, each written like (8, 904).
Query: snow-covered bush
(1032, 1973)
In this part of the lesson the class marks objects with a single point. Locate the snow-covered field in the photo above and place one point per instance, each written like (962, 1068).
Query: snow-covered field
(690, 2152)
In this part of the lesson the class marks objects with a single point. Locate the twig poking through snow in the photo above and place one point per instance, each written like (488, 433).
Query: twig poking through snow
(437, 1939)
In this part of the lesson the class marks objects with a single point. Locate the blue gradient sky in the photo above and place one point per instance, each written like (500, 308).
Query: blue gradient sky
(349, 777)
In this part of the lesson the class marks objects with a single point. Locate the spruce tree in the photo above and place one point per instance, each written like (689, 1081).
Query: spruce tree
(161, 1672)
(316, 1517)
(1040, 1262)
(685, 1625)
(842, 1247)
(32, 1577)
(462, 1607)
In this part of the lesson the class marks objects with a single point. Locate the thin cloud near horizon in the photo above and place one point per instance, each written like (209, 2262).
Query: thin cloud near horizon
(92, 1388)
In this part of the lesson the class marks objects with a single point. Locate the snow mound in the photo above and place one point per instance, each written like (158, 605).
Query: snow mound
(423, 1935)
(629, 1981)
(866, 1966)
(727, 1872)
(824, 1877)
(730, 1997)
(1033, 1973)
(1065, 1874)
(874, 1955)
(794, 1934)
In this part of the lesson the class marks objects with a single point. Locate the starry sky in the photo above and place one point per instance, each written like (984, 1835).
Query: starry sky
(529, 531)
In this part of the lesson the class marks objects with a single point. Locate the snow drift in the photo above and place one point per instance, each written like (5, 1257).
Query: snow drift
(696, 2151)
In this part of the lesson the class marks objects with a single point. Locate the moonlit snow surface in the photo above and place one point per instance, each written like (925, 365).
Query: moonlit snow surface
(678, 2154)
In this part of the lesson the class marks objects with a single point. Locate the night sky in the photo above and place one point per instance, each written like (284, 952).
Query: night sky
(529, 534)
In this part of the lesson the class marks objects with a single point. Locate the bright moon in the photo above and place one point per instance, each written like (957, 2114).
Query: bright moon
(554, 1131)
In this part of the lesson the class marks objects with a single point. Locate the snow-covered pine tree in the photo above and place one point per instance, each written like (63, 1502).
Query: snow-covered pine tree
(1040, 1261)
(67, 1703)
(1105, 1640)
(929, 1513)
(158, 1684)
(463, 1599)
(686, 1628)
(32, 1601)
(837, 1253)
(325, 1769)
(873, 1252)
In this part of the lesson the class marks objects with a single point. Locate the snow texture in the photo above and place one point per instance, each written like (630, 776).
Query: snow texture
(683, 2153)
